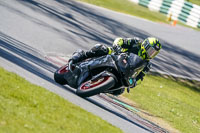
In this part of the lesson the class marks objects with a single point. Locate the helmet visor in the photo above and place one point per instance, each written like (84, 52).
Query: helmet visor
(151, 51)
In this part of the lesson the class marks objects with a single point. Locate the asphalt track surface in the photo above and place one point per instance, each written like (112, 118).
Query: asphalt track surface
(32, 30)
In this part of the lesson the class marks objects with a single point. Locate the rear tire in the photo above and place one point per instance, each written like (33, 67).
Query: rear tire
(59, 75)
(102, 84)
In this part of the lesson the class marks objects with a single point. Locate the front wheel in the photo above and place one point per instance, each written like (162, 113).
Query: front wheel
(93, 87)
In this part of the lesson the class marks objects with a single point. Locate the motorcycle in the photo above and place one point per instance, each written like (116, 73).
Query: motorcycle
(105, 74)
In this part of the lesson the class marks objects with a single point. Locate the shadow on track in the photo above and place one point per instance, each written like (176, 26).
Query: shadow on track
(34, 63)
(79, 27)
(85, 25)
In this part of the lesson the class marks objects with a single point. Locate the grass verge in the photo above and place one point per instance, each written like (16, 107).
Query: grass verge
(128, 7)
(173, 101)
(27, 108)
(131, 8)
(197, 2)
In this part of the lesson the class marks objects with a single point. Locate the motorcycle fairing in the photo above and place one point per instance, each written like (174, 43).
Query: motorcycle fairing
(136, 64)
(87, 66)
(104, 61)
(72, 77)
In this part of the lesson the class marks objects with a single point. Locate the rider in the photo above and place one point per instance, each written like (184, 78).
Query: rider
(146, 49)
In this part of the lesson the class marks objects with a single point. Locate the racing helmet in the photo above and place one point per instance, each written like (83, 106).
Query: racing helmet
(150, 47)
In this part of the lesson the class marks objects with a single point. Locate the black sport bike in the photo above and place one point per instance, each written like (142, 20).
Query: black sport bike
(105, 74)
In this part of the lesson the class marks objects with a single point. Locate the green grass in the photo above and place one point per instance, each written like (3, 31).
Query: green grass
(197, 2)
(175, 102)
(125, 6)
(128, 7)
(27, 108)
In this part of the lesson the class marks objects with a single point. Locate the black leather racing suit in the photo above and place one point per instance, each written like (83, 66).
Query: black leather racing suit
(128, 45)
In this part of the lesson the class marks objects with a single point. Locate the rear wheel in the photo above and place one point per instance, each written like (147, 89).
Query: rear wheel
(93, 87)
(60, 73)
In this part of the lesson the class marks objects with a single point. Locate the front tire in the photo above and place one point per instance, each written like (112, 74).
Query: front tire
(90, 88)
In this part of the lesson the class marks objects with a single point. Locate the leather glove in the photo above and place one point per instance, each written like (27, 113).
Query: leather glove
(117, 49)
